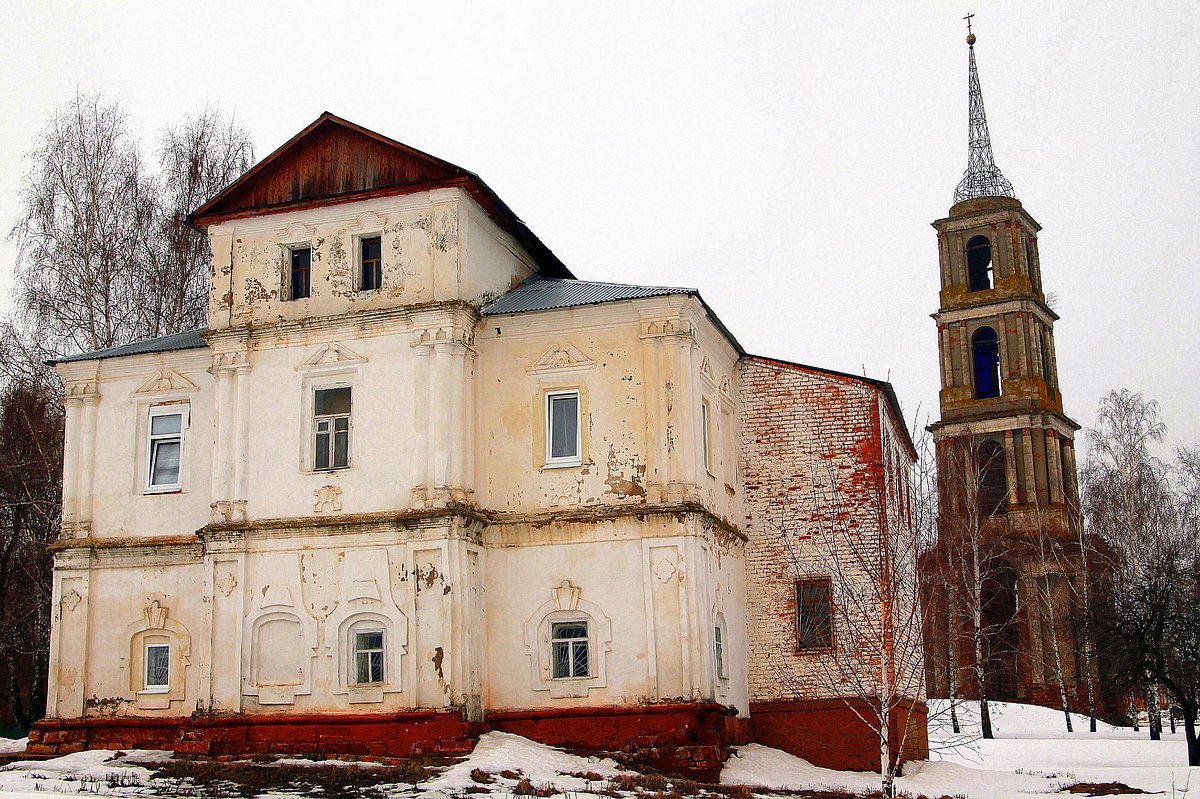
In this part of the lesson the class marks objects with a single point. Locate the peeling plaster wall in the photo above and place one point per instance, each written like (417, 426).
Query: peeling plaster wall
(447, 408)
(426, 238)
(652, 587)
(640, 398)
(108, 404)
(263, 624)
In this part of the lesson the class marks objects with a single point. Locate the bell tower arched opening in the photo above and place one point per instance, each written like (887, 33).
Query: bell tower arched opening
(979, 263)
(985, 353)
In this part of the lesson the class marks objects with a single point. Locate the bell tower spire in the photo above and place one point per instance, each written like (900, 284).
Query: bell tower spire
(983, 177)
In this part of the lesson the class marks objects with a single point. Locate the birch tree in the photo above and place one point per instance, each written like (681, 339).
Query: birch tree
(860, 533)
(105, 256)
(1146, 611)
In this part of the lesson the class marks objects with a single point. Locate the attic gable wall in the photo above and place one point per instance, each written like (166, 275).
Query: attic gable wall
(329, 161)
(425, 244)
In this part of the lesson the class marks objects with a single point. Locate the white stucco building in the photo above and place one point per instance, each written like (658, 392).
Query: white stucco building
(415, 481)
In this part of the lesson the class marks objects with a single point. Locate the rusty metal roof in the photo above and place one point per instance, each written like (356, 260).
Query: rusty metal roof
(543, 294)
(190, 340)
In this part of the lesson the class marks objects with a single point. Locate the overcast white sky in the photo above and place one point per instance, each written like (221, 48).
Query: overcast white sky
(784, 158)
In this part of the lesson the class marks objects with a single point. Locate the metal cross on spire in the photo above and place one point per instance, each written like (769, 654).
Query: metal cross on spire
(983, 177)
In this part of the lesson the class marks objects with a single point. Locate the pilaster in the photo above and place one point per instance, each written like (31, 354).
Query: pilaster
(442, 341)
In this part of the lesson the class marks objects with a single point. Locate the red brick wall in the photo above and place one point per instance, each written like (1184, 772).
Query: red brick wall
(825, 463)
(829, 733)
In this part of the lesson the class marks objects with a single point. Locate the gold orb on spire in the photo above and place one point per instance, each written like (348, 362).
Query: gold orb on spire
(970, 40)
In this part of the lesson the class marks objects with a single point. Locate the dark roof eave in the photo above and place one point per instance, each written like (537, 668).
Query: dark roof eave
(176, 342)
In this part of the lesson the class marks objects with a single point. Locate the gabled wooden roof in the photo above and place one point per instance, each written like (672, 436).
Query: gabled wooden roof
(335, 161)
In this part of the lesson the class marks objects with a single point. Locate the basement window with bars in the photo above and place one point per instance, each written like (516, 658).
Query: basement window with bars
(569, 649)
(299, 273)
(331, 428)
(814, 613)
(370, 261)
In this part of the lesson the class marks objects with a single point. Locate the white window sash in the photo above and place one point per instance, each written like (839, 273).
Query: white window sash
(154, 441)
(576, 458)
(164, 686)
(332, 433)
(371, 654)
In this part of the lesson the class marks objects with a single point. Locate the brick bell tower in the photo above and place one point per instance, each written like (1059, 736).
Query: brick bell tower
(1005, 451)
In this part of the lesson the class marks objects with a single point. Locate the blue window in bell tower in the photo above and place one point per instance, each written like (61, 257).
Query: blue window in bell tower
(985, 351)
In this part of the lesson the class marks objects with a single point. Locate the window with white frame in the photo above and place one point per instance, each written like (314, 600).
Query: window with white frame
(331, 428)
(719, 651)
(569, 649)
(368, 655)
(165, 451)
(563, 443)
(158, 667)
(706, 433)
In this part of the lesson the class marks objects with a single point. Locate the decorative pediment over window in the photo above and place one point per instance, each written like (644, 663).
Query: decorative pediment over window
(164, 381)
(369, 222)
(562, 357)
(297, 232)
(706, 370)
(332, 354)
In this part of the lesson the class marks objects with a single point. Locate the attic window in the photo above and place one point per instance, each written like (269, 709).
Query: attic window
(300, 273)
(371, 264)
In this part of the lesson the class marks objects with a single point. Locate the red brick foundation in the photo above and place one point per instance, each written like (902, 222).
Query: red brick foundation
(691, 739)
(360, 735)
(828, 733)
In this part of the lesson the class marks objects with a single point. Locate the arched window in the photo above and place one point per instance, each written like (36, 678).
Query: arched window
(985, 352)
(979, 263)
(992, 478)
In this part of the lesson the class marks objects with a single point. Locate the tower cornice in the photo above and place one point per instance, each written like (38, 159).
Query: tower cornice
(962, 218)
(964, 313)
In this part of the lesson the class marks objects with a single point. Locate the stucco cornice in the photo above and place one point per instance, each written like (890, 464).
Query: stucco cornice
(384, 321)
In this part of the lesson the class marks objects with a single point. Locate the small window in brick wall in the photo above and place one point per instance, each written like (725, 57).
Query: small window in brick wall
(814, 613)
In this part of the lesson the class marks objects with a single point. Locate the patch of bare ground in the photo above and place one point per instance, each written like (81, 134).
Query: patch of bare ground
(244, 779)
(1104, 789)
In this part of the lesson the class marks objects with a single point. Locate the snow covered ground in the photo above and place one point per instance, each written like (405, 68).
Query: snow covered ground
(1034, 754)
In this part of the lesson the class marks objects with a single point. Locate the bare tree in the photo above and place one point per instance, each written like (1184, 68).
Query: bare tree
(104, 254)
(1146, 612)
(971, 529)
(87, 206)
(30, 507)
(198, 157)
(105, 257)
(861, 534)
(1051, 561)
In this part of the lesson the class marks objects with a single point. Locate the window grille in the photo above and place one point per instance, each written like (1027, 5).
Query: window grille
(569, 649)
